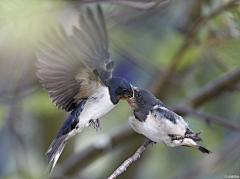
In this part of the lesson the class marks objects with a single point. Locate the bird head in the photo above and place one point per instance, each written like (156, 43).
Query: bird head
(142, 99)
(121, 88)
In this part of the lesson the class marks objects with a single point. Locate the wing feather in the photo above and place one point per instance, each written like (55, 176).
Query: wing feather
(66, 63)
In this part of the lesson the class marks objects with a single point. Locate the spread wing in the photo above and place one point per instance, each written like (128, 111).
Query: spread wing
(69, 67)
(92, 42)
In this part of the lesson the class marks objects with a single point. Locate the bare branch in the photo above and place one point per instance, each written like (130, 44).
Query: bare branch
(130, 160)
(209, 117)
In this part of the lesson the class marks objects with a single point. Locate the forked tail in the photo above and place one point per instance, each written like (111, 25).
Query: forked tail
(69, 129)
(54, 151)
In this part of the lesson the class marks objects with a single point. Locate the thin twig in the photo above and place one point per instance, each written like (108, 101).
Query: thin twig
(130, 160)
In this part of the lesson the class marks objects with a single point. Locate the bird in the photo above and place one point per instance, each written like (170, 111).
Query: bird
(153, 119)
(76, 71)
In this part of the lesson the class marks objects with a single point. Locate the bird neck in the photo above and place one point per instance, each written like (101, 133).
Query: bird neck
(111, 89)
(141, 115)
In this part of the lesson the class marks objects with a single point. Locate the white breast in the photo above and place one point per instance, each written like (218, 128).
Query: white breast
(96, 106)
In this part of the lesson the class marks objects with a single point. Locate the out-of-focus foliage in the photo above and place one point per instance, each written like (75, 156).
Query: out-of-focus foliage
(29, 121)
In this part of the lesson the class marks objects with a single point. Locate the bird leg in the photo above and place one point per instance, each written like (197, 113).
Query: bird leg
(180, 137)
(176, 137)
(95, 123)
(152, 142)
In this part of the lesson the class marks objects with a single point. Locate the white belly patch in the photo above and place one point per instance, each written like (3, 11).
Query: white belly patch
(96, 106)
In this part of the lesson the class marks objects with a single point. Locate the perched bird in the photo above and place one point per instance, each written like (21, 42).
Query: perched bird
(157, 122)
(76, 71)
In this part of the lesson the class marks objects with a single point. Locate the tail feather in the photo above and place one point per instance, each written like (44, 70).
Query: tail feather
(68, 130)
(203, 149)
(187, 142)
(54, 151)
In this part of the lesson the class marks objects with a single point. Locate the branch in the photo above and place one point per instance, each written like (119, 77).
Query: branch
(209, 117)
(130, 160)
(188, 40)
(209, 91)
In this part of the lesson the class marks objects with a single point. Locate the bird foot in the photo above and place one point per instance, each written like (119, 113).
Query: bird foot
(180, 137)
(95, 123)
(153, 143)
(192, 136)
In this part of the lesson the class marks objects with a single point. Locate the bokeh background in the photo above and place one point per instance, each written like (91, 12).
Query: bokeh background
(187, 52)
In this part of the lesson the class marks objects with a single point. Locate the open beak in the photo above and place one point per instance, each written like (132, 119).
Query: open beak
(128, 94)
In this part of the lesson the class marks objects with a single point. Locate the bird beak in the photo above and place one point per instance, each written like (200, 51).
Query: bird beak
(132, 91)
(128, 94)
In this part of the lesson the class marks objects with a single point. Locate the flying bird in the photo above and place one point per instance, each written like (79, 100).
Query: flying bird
(76, 71)
(156, 121)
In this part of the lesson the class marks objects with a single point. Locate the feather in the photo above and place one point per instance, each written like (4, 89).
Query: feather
(66, 63)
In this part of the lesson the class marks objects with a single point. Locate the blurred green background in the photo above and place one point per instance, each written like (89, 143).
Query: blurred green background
(176, 49)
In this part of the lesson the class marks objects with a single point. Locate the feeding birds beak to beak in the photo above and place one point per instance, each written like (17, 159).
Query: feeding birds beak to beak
(128, 94)
(133, 89)
(131, 100)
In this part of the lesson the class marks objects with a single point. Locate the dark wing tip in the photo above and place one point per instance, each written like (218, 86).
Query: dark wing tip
(197, 138)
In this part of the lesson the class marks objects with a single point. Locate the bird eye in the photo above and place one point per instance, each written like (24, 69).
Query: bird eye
(125, 90)
(139, 95)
